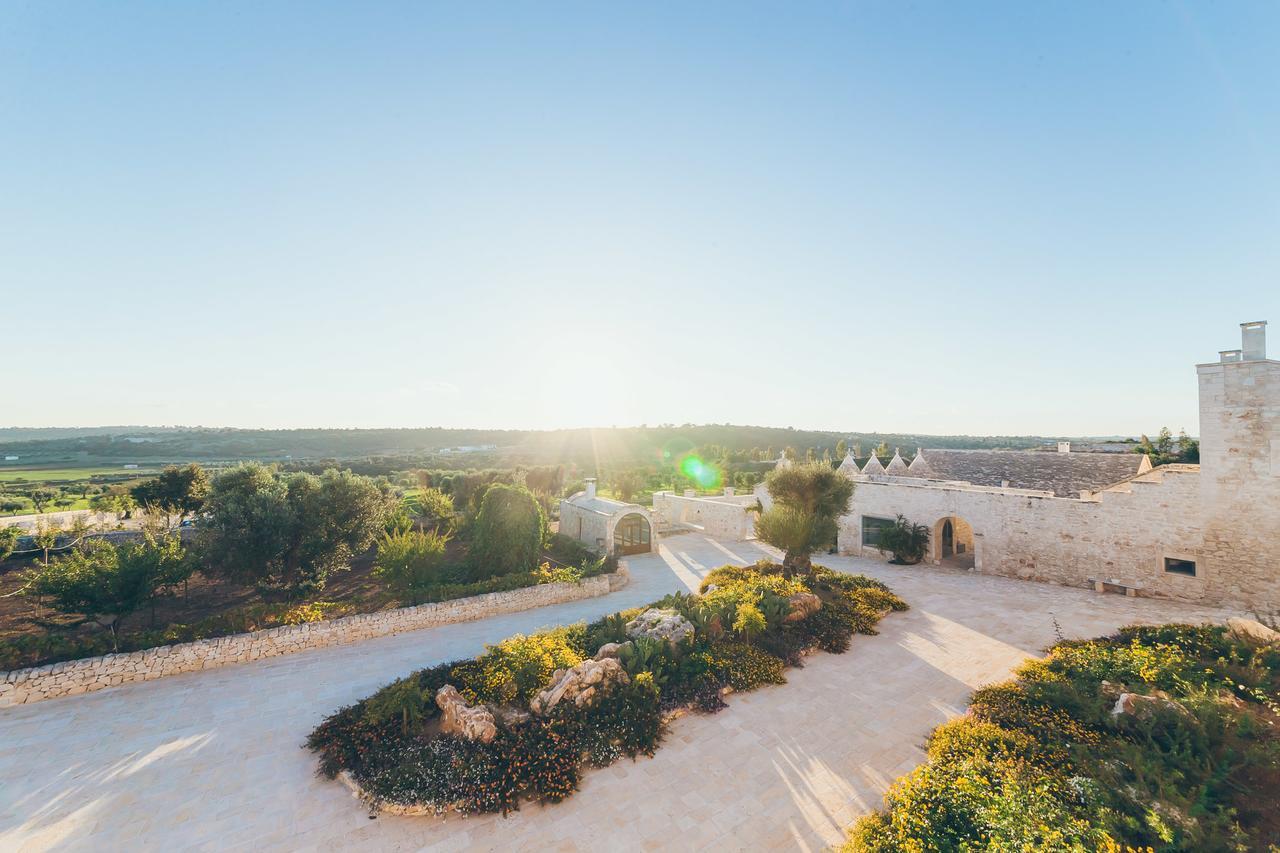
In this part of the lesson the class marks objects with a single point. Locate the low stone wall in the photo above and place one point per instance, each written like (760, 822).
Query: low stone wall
(82, 676)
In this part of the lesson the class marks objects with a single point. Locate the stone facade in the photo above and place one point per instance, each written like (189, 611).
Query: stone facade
(594, 521)
(724, 516)
(87, 674)
(1208, 533)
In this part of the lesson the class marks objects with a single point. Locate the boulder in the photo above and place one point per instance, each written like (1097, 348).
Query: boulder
(802, 605)
(1252, 632)
(458, 718)
(611, 650)
(660, 625)
(580, 684)
(1140, 706)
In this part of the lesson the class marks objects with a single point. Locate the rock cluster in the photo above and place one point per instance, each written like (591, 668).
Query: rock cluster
(802, 605)
(459, 718)
(580, 684)
(1252, 632)
(612, 650)
(1141, 706)
(660, 625)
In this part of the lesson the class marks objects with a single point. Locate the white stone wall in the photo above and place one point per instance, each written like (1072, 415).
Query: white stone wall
(87, 674)
(588, 527)
(721, 517)
(1118, 536)
(1240, 478)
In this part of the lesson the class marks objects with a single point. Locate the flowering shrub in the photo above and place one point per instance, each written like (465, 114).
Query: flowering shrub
(518, 667)
(744, 667)
(1041, 762)
(391, 741)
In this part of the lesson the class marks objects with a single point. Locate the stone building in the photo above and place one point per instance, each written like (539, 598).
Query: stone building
(1208, 533)
(610, 526)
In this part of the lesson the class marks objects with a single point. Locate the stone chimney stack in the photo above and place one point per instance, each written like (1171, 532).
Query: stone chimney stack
(1064, 447)
(1253, 341)
(591, 487)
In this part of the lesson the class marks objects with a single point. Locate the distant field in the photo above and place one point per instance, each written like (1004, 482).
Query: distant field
(10, 474)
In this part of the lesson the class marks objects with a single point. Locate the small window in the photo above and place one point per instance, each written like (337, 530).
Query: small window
(1174, 566)
(871, 527)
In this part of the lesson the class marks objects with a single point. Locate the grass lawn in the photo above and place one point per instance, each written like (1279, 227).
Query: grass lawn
(14, 474)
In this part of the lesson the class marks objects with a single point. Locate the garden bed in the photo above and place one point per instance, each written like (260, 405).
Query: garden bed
(209, 606)
(1157, 738)
(524, 720)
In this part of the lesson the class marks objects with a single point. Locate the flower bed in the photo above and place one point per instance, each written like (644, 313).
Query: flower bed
(525, 719)
(1158, 738)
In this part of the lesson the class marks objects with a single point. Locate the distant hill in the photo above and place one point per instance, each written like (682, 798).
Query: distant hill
(609, 446)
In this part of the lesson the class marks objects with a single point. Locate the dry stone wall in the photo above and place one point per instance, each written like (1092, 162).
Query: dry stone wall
(70, 678)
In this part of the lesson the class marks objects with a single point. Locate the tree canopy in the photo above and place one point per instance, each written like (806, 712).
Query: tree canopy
(179, 491)
(109, 582)
(807, 501)
(292, 530)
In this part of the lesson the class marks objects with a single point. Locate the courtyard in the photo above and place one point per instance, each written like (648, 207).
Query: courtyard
(215, 760)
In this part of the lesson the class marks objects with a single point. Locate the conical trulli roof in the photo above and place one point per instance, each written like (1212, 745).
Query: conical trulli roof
(873, 466)
(896, 466)
(848, 465)
(919, 467)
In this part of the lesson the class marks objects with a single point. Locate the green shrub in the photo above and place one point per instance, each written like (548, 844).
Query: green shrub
(508, 532)
(1041, 763)
(410, 563)
(514, 670)
(745, 667)
(906, 541)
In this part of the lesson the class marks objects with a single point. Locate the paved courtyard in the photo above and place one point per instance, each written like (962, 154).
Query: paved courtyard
(214, 760)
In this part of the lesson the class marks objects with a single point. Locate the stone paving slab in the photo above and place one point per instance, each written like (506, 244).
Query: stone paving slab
(213, 761)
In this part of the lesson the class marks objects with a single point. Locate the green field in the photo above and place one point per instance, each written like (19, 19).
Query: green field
(15, 473)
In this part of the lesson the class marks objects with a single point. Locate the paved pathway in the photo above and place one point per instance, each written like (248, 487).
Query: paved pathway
(214, 760)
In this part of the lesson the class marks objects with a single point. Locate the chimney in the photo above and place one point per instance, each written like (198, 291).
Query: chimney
(591, 487)
(1253, 341)
(1064, 447)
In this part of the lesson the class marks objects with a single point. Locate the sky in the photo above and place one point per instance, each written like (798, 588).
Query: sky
(929, 217)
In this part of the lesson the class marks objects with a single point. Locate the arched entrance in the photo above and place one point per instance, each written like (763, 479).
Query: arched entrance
(632, 535)
(953, 543)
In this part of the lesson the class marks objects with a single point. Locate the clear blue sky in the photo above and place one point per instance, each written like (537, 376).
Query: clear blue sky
(936, 217)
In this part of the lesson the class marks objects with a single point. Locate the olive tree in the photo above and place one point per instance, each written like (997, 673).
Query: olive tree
(290, 531)
(807, 501)
(109, 582)
(177, 491)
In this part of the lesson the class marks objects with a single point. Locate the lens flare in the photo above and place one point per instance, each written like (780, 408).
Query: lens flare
(707, 476)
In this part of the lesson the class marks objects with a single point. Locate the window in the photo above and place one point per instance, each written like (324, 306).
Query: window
(871, 527)
(1174, 566)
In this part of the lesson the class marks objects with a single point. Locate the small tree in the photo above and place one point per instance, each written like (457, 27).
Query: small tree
(509, 531)
(8, 541)
(434, 509)
(46, 537)
(41, 496)
(906, 541)
(627, 484)
(808, 500)
(410, 562)
(178, 491)
(108, 583)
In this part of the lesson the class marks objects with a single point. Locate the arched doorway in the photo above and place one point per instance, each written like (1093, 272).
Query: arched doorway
(953, 542)
(632, 535)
